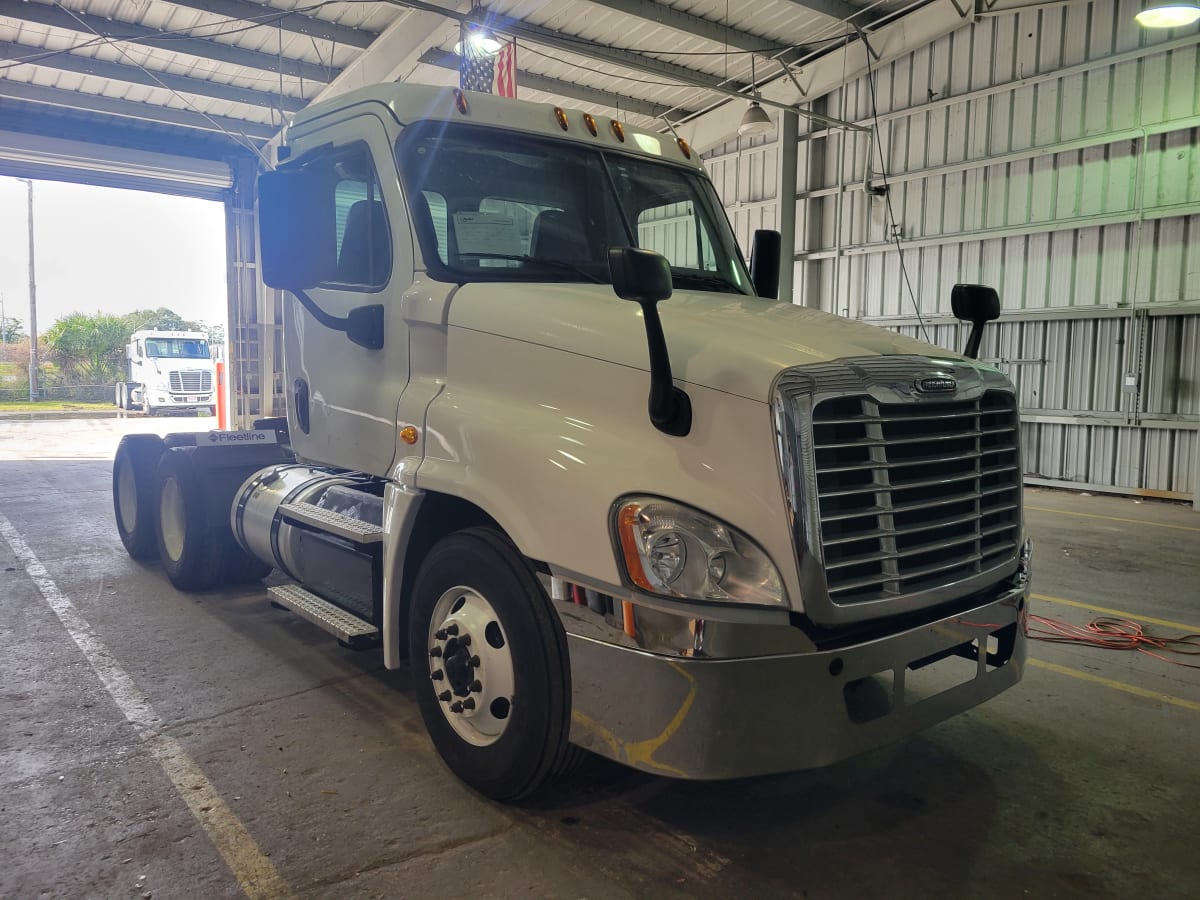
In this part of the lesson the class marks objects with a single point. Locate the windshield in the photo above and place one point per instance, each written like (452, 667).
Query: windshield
(490, 205)
(177, 348)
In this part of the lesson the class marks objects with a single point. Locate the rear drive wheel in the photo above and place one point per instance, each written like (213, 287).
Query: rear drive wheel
(490, 664)
(195, 541)
(188, 543)
(135, 501)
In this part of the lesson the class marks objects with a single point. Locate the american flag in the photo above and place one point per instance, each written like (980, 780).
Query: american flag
(495, 74)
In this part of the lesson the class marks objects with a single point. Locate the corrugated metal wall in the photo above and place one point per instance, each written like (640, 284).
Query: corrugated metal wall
(745, 173)
(1054, 155)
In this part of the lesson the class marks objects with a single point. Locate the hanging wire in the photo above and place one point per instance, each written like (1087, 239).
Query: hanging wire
(240, 138)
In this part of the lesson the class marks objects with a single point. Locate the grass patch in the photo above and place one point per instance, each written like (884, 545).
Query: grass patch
(51, 405)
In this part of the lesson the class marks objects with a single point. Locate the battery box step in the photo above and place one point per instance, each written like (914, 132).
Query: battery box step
(327, 520)
(346, 627)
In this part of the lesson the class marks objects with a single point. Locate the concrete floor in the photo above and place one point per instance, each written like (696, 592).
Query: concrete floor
(311, 770)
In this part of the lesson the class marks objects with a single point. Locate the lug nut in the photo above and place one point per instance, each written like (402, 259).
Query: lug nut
(456, 707)
(440, 634)
(469, 703)
(435, 652)
(475, 661)
(476, 686)
(451, 629)
(465, 640)
(444, 696)
(437, 675)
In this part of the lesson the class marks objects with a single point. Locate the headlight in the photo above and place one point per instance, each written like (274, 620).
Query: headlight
(679, 552)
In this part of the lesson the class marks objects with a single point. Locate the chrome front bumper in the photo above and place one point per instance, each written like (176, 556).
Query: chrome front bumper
(728, 718)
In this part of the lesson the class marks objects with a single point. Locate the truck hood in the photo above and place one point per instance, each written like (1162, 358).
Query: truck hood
(721, 341)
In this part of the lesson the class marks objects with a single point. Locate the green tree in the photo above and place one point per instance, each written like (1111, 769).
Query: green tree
(89, 348)
(12, 330)
(161, 319)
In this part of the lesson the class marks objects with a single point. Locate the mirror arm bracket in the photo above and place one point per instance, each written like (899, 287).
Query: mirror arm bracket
(669, 407)
(364, 325)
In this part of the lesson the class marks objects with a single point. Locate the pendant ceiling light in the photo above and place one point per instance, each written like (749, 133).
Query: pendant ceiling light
(755, 120)
(1168, 14)
(475, 39)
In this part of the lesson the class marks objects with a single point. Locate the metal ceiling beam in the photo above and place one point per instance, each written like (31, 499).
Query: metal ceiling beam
(579, 46)
(38, 120)
(90, 25)
(670, 17)
(296, 23)
(840, 9)
(444, 59)
(132, 109)
(86, 65)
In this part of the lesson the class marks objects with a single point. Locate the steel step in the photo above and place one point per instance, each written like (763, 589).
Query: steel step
(327, 520)
(346, 627)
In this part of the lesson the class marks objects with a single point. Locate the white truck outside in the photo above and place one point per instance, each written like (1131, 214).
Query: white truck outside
(550, 439)
(168, 370)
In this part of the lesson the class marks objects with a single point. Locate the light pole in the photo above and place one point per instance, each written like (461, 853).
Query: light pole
(33, 354)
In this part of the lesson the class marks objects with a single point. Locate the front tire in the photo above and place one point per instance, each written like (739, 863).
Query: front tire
(490, 665)
(135, 500)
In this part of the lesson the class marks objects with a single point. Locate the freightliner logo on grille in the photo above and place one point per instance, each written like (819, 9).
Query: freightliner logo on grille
(936, 384)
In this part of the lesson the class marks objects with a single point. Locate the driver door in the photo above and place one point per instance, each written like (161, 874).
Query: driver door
(342, 397)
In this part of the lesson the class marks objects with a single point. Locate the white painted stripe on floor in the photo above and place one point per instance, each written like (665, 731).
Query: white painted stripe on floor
(253, 870)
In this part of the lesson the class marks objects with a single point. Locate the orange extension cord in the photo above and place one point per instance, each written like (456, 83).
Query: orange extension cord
(1113, 634)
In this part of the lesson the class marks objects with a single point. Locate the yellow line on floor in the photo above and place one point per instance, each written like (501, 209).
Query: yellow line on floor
(1120, 613)
(1115, 685)
(1067, 512)
(254, 872)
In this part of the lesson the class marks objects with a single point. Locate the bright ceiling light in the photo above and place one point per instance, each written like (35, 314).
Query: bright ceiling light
(755, 120)
(1168, 15)
(479, 43)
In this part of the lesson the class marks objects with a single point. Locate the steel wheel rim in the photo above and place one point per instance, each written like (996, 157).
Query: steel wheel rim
(476, 674)
(171, 519)
(126, 495)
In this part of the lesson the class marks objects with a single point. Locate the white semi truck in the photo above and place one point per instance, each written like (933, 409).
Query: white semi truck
(168, 371)
(550, 439)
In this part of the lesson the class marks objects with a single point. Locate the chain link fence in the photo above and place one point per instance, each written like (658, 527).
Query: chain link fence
(77, 393)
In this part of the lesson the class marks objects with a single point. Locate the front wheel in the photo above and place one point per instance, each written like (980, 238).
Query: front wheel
(490, 665)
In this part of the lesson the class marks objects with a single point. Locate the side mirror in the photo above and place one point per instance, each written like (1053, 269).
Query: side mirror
(644, 277)
(977, 304)
(765, 255)
(296, 244)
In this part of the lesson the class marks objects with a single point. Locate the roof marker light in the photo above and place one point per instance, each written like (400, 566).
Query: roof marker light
(460, 100)
(561, 117)
(618, 129)
(590, 121)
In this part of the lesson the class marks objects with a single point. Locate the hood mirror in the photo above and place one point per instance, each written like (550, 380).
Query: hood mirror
(977, 304)
(644, 277)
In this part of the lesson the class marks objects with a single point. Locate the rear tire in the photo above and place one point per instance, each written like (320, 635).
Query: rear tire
(514, 668)
(135, 497)
(195, 541)
(189, 544)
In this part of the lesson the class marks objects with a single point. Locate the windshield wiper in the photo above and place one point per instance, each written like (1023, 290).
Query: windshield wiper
(710, 281)
(533, 260)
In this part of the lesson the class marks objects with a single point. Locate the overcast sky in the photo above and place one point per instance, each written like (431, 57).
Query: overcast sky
(112, 250)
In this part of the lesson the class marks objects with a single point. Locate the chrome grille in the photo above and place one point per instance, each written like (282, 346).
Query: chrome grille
(191, 381)
(912, 496)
